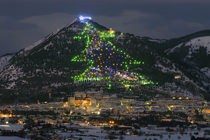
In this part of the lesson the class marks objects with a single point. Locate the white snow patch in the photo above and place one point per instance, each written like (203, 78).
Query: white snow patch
(46, 47)
(157, 40)
(75, 29)
(206, 71)
(11, 85)
(4, 60)
(194, 44)
(69, 42)
(121, 36)
(56, 85)
(174, 48)
(12, 127)
(199, 42)
(11, 74)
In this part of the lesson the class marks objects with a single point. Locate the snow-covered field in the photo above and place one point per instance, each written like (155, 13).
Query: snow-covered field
(11, 127)
(11, 138)
(158, 133)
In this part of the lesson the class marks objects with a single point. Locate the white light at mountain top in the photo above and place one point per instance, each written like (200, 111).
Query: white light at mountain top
(83, 18)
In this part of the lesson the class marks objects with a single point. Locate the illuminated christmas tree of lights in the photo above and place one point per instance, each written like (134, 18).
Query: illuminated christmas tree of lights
(106, 61)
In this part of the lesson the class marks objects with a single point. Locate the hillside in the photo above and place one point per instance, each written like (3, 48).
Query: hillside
(46, 67)
(192, 55)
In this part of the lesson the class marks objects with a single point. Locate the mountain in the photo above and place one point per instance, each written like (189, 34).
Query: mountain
(192, 53)
(177, 65)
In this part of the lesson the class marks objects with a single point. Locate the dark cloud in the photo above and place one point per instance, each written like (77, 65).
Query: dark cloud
(22, 22)
(10, 24)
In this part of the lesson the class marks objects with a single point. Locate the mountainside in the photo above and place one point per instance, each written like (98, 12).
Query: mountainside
(179, 66)
(4, 60)
(192, 55)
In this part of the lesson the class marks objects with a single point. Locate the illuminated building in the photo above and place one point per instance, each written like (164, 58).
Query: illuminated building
(6, 115)
(177, 77)
(66, 104)
(206, 111)
(49, 121)
(20, 122)
(85, 98)
(111, 31)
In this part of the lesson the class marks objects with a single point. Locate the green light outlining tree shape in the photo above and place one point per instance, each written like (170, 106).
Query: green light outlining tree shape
(106, 62)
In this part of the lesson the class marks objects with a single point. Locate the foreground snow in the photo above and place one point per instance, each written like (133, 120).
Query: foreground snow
(11, 138)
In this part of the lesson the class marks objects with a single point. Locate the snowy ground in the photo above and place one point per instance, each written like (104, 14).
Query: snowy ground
(12, 127)
(11, 138)
(158, 133)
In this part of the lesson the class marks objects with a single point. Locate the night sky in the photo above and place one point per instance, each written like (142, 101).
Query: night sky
(22, 22)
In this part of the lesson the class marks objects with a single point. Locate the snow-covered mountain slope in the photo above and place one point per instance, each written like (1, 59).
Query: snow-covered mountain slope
(192, 53)
(45, 57)
(46, 65)
(194, 45)
(4, 60)
(199, 42)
